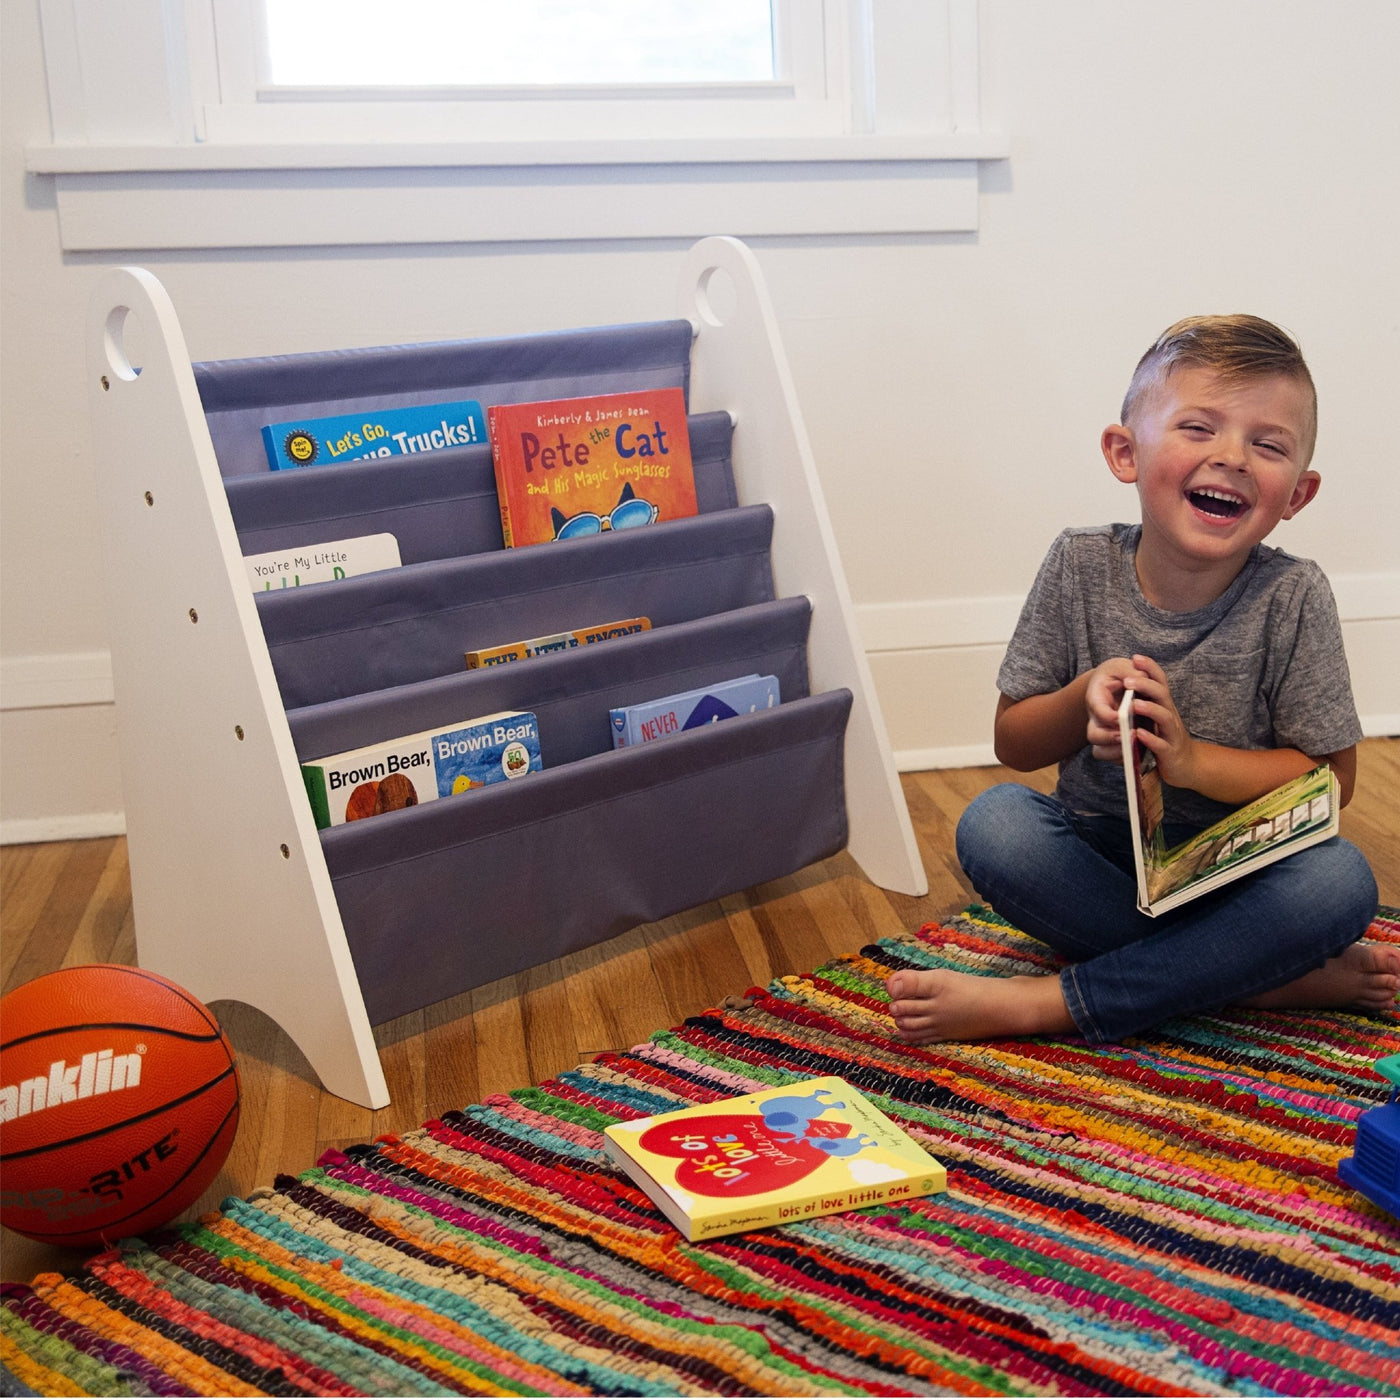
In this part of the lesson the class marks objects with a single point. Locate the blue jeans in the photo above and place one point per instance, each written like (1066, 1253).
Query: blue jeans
(1068, 880)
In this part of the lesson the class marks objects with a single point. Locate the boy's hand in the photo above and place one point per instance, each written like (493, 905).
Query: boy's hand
(1104, 694)
(1233, 776)
(1175, 750)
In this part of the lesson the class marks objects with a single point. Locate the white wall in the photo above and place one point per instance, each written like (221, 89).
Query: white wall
(1165, 159)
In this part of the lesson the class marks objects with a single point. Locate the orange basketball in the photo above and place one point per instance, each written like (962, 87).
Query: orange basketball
(118, 1103)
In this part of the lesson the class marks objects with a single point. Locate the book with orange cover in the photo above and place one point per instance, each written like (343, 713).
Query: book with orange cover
(570, 468)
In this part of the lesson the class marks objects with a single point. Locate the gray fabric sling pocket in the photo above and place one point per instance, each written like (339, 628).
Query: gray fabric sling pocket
(436, 505)
(385, 629)
(241, 397)
(443, 897)
(570, 693)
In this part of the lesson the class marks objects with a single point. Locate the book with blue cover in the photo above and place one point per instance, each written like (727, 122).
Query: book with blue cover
(689, 709)
(375, 432)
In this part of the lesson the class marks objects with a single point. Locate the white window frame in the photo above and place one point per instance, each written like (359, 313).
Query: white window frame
(163, 138)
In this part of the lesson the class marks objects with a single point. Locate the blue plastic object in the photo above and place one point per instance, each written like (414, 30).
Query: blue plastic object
(1374, 1169)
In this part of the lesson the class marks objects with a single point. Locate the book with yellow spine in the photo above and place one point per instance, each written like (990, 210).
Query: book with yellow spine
(771, 1158)
(556, 641)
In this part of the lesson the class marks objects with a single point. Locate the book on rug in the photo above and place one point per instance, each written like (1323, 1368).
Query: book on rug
(1295, 815)
(387, 777)
(556, 641)
(375, 432)
(321, 563)
(791, 1153)
(570, 468)
(689, 709)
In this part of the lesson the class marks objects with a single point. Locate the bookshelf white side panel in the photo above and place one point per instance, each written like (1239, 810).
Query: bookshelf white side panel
(231, 894)
(738, 364)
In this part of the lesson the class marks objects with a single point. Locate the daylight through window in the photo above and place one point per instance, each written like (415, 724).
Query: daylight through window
(505, 43)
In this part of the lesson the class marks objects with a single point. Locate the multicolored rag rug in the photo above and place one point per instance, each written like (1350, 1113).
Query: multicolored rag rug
(1157, 1218)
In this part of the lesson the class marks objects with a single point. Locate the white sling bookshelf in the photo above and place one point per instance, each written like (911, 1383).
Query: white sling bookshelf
(232, 894)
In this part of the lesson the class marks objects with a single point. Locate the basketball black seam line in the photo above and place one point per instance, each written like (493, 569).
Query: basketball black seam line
(116, 1127)
(52, 1237)
(111, 1026)
(188, 998)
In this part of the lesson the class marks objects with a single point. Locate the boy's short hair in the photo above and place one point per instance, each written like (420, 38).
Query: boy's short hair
(1234, 347)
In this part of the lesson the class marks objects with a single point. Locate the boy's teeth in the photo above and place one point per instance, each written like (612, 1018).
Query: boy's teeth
(1231, 504)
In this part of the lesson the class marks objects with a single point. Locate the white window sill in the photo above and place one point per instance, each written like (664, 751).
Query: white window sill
(91, 159)
(215, 195)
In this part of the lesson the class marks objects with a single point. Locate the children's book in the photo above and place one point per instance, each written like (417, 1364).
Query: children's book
(321, 563)
(770, 1158)
(670, 714)
(556, 641)
(387, 777)
(570, 468)
(1295, 815)
(375, 432)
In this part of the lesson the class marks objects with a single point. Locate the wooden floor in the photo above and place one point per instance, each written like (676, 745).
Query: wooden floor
(66, 903)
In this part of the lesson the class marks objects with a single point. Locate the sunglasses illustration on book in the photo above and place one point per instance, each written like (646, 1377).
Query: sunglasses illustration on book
(631, 510)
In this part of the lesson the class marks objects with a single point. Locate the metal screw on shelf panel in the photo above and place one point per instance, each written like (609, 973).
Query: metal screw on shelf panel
(106, 383)
(194, 616)
(150, 499)
(286, 851)
(238, 729)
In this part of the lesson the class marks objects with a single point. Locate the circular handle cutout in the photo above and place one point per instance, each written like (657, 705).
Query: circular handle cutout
(716, 298)
(120, 326)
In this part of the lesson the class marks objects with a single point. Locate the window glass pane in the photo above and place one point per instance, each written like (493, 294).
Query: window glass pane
(508, 42)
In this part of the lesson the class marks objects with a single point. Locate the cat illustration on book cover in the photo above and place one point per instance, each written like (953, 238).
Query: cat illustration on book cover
(631, 510)
(585, 468)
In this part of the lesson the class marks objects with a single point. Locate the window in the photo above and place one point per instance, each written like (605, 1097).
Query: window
(214, 124)
(528, 69)
(482, 43)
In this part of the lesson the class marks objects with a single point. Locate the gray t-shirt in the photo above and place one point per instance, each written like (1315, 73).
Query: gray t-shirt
(1261, 667)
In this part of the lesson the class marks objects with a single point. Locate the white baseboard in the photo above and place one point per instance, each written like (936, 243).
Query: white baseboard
(85, 678)
(75, 826)
(955, 640)
(951, 756)
(925, 623)
(982, 755)
(55, 680)
(1367, 597)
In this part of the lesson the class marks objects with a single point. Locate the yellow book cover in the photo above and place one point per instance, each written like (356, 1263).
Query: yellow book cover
(570, 468)
(791, 1153)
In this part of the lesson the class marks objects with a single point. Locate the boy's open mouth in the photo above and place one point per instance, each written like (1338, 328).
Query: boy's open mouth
(1213, 502)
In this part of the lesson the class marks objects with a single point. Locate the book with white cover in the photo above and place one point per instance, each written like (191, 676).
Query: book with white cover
(321, 563)
(1295, 815)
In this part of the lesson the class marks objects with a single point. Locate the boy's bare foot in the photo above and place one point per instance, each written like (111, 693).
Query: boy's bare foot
(942, 1005)
(1365, 976)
